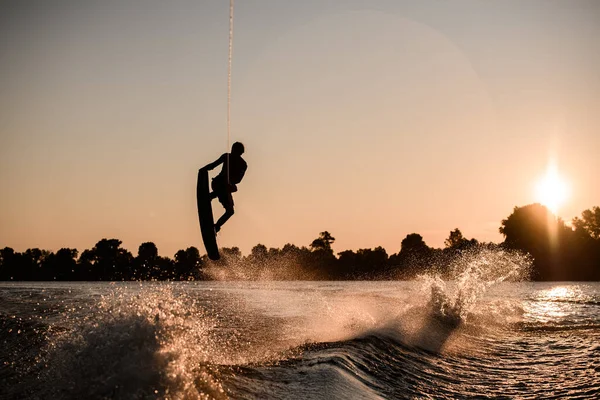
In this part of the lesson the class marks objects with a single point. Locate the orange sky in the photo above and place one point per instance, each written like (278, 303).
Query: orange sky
(371, 122)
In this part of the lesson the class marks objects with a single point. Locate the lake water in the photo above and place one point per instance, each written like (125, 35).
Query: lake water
(299, 340)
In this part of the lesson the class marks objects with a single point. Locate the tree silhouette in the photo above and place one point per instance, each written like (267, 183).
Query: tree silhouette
(275, 253)
(348, 264)
(188, 264)
(456, 241)
(535, 230)
(231, 255)
(413, 244)
(86, 265)
(323, 242)
(320, 262)
(109, 261)
(61, 266)
(364, 264)
(147, 252)
(9, 264)
(559, 253)
(289, 249)
(32, 262)
(589, 223)
(587, 231)
(146, 262)
(414, 257)
(291, 259)
(259, 253)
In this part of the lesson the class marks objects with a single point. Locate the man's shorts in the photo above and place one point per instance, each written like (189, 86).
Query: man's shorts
(220, 187)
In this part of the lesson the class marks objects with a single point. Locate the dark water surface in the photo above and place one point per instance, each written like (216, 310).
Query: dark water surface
(300, 340)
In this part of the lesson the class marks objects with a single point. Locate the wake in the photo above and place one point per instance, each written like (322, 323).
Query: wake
(182, 341)
(146, 343)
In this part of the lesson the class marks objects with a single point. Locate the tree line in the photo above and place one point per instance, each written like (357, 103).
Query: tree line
(558, 251)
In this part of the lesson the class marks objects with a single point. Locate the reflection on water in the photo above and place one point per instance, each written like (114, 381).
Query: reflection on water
(555, 304)
(558, 292)
(309, 340)
(545, 311)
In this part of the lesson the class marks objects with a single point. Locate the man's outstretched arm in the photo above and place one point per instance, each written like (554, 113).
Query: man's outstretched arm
(213, 164)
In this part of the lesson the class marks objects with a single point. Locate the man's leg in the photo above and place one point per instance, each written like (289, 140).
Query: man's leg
(226, 200)
(216, 186)
(228, 213)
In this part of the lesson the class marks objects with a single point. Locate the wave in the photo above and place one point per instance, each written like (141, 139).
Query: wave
(160, 343)
(383, 365)
(558, 327)
(163, 343)
(594, 303)
(149, 344)
(173, 342)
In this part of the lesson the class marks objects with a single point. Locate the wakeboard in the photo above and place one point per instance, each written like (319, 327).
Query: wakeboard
(205, 215)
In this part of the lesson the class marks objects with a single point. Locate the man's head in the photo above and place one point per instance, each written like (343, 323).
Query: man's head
(237, 149)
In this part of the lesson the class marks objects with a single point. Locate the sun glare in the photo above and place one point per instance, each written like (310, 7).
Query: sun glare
(551, 190)
(558, 292)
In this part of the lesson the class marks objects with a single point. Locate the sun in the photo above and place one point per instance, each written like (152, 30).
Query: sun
(551, 190)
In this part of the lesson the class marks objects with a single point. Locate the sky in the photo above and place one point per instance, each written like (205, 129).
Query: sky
(369, 119)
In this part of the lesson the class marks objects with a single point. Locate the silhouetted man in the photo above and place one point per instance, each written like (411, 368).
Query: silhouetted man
(224, 184)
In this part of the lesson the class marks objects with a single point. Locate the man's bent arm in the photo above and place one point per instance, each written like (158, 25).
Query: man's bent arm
(213, 164)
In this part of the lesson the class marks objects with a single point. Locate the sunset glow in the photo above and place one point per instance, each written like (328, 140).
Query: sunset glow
(551, 190)
(371, 121)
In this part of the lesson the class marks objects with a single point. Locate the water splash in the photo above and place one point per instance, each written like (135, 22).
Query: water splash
(473, 272)
(144, 343)
(451, 303)
(287, 267)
